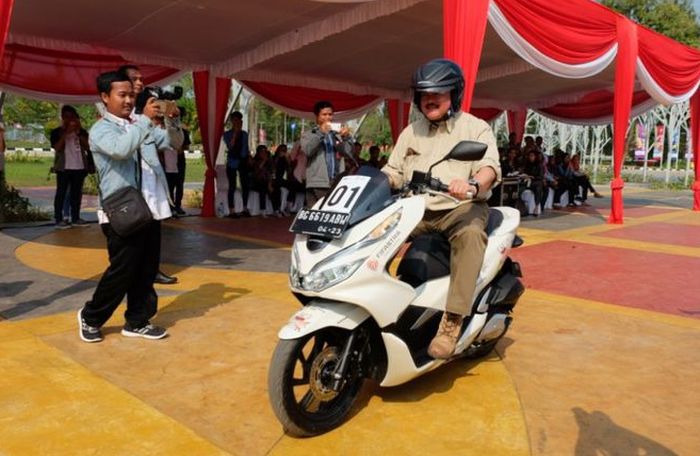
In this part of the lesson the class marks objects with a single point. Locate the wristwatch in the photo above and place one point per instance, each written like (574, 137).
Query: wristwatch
(475, 183)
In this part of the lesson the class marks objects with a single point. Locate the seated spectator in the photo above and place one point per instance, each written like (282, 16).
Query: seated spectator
(357, 154)
(72, 163)
(263, 173)
(281, 180)
(374, 157)
(513, 142)
(539, 143)
(533, 171)
(297, 163)
(565, 178)
(550, 181)
(581, 179)
(510, 165)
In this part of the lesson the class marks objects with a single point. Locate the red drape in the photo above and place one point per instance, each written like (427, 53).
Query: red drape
(303, 98)
(464, 27)
(54, 72)
(487, 114)
(210, 91)
(5, 14)
(594, 105)
(571, 31)
(398, 116)
(676, 69)
(516, 123)
(695, 134)
(624, 89)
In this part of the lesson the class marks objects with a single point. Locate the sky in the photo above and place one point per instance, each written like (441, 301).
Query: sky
(696, 4)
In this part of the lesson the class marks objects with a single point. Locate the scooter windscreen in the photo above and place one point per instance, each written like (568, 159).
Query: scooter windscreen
(375, 196)
(351, 200)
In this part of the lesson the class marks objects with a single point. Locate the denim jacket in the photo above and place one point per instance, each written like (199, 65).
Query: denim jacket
(114, 142)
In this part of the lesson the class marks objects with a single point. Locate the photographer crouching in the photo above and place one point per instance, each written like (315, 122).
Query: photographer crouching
(134, 199)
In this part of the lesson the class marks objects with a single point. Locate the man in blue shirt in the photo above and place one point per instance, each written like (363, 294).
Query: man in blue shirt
(118, 142)
(237, 162)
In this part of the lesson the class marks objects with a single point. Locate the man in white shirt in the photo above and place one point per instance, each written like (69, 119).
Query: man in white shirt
(134, 74)
(125, 154)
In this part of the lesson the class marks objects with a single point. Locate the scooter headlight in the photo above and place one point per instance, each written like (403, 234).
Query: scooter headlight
(318, 280)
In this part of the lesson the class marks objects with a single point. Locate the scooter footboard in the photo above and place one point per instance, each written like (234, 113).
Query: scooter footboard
(322, 314)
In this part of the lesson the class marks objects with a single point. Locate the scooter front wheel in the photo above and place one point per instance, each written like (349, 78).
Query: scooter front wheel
(300, 383)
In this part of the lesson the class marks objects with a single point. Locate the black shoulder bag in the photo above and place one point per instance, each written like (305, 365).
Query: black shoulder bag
(126, 209)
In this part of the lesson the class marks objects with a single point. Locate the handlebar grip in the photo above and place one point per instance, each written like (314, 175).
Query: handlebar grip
(437, 185)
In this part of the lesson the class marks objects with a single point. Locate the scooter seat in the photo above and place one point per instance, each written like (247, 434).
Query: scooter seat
(495, 221)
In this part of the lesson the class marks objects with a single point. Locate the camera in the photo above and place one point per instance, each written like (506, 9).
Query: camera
(164, 98)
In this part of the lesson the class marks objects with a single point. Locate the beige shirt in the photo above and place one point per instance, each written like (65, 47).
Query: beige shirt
(421, 144)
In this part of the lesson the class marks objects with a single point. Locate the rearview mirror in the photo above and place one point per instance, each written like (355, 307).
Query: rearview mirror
(467, 151)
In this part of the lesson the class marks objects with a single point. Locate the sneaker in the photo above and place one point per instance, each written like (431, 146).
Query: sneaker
(62, 225)
(81, 223)
(444, 343)
(89, 334)
(147, 332)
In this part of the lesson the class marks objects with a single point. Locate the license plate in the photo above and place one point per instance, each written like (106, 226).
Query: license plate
(323, 223)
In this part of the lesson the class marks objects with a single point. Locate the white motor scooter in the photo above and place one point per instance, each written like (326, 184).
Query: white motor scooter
(359, 321)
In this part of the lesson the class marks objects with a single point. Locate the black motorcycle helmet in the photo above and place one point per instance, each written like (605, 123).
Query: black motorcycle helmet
(439, 75)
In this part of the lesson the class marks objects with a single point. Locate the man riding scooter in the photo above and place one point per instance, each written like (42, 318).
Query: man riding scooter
(438, 89)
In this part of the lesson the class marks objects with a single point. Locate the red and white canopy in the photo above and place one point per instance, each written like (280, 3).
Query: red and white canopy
(573, 60)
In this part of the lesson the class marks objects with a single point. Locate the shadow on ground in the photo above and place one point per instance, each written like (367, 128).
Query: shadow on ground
(599, 434)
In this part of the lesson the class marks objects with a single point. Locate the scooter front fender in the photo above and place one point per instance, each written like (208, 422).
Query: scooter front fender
(322, 314)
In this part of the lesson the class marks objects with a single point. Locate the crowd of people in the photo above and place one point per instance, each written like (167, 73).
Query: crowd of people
(73, 162)
(321, 156)
(540, 172)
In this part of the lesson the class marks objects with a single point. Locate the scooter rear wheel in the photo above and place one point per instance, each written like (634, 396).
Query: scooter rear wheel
(299, 383)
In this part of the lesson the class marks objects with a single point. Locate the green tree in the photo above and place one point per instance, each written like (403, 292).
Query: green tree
(376, 128)
(25, 111)
(274, 122)
(190, 119)
(673, 18)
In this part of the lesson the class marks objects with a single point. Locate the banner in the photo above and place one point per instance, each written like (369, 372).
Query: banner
(659, 142)
(639, 149)
(675, 144)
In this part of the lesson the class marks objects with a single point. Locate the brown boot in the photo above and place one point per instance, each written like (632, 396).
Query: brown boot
(443, 344)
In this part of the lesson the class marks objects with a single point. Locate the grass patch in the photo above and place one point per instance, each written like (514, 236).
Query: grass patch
(27, 170)
(195, 170)
(24, 170)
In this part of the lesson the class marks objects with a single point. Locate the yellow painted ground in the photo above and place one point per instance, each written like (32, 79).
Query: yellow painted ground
(52, 405)
(203, 390)
(209, 377)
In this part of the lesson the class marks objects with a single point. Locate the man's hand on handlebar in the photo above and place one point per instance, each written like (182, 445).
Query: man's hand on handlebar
(461, 189)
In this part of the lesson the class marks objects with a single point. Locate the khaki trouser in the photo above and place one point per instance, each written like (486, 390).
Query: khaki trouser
(465, 228)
